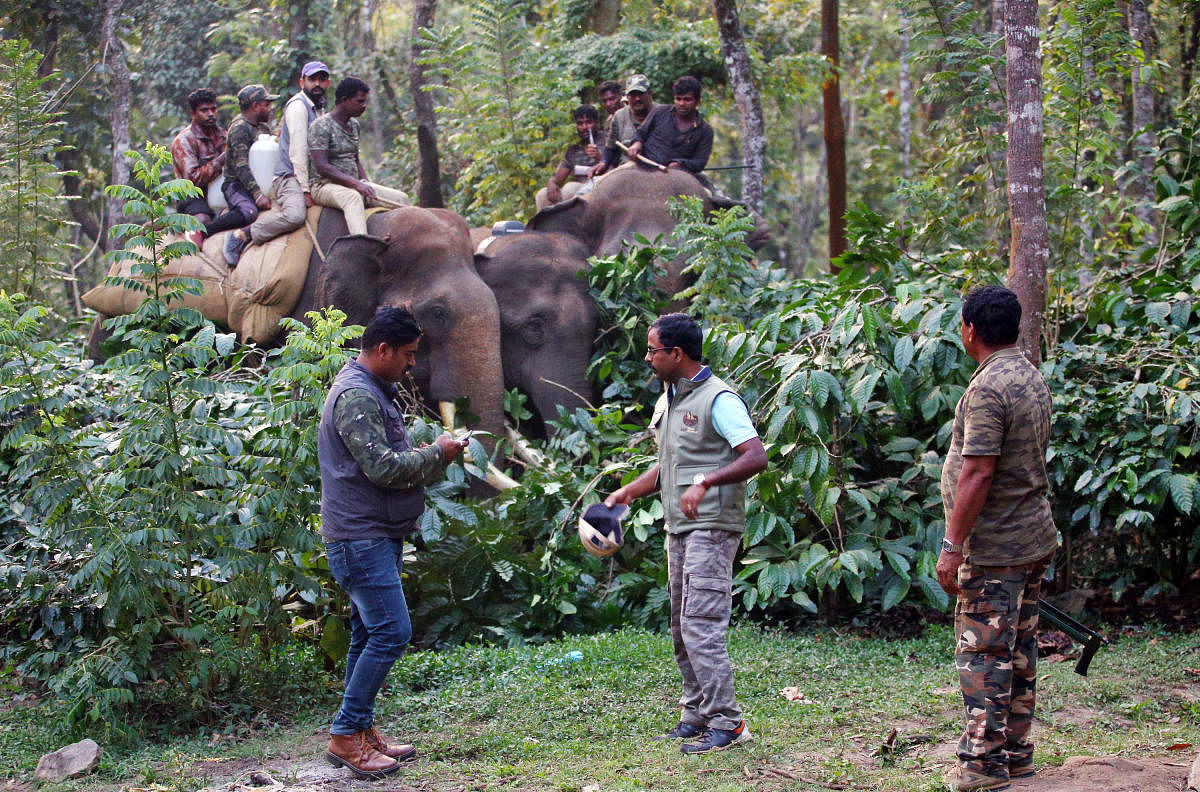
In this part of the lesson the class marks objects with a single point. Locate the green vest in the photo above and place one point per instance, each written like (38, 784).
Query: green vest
(688, 444)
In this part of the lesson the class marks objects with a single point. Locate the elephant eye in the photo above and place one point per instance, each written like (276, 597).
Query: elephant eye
(435, 320)
(533, 331)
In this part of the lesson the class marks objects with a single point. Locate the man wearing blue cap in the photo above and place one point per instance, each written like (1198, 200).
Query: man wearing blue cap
(291, 185)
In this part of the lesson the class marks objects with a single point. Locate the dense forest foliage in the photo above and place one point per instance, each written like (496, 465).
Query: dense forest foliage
(158, 511)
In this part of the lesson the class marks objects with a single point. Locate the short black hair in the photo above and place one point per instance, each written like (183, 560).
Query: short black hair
(609, 85)
(995, 313)
(680, 330)
(200, 96)
(687, 84)
(394, 326)
(349, 88)
(585, 111)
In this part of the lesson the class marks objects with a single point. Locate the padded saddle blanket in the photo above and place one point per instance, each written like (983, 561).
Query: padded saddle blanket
(249, 300)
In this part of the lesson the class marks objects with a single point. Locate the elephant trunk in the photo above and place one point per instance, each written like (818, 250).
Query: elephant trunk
(470, 353)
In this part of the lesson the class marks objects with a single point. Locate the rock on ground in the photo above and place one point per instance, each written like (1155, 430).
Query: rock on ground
(69, 761)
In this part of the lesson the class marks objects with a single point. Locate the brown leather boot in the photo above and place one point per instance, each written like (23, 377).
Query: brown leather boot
(354, 752)
(401, 752)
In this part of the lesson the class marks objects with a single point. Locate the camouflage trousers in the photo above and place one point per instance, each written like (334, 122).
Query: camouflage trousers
(995, 620)
(700, 582)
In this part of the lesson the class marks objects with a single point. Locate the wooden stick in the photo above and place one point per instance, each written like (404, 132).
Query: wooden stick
(640, 158)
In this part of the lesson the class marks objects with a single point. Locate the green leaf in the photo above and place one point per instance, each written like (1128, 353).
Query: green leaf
(1183, 492)
(902, 355)
(894, 593)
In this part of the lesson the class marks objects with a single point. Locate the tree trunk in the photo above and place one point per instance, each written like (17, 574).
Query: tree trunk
(113, 56)
(1189, 43)
(906, 101)
(366, 50)
(745, 95)
(429, 185)
(1142, 189)
(1030, 247)
(605, 17)
(835, 133)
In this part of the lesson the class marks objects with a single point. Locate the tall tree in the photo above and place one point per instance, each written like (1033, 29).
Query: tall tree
(746, 97)
(835, 132)
(1030, 247)
(113, 53)
(1142, 189)
(429, 177)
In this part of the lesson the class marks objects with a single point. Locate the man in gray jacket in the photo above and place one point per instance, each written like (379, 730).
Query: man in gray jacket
(372, 492)
(707, 449)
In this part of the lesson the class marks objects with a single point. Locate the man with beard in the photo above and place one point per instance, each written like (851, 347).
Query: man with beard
(198, 154)
(291, 171)
(707, 449)
(338, 177)
(624, 123)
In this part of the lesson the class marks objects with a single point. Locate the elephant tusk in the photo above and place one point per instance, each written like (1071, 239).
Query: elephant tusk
(497, 479)
(521, 447)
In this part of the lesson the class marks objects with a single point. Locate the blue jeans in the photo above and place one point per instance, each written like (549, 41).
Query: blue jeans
(369, 571)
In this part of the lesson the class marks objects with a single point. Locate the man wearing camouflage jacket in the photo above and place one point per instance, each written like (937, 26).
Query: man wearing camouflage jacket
(1000, 538)
(372, 493)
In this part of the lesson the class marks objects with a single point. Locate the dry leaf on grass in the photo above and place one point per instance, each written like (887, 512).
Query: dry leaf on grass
(794, 694)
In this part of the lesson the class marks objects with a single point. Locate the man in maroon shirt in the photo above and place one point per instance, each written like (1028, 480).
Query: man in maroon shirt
(198, 152)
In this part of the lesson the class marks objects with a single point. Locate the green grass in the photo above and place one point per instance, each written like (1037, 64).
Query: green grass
(525, 719)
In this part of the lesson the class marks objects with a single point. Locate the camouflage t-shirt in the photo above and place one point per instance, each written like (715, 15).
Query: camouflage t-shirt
(339, 142)
(1005, 413)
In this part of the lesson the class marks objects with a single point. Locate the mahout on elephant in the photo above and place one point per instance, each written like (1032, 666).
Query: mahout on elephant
(421, 258)
(548, 320)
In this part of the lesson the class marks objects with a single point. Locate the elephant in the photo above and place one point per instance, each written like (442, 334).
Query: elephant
(420, 258)
(548, 320)
(631, 200)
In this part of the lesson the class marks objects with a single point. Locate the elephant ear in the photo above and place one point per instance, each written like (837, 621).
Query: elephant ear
(565, 217)
(349, 279)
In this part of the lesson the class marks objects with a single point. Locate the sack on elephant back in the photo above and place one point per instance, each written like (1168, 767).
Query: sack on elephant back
(267, 283)
(208, 267)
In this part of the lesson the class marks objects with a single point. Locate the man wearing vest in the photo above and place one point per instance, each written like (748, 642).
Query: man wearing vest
(291, 170)
(372, 492)
(707, 449)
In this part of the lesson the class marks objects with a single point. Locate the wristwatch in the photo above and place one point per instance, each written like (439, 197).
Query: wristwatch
(698, 480)
(950, 547)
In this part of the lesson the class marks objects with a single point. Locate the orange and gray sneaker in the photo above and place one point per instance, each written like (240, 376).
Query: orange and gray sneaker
(964, 779)
(718, 740)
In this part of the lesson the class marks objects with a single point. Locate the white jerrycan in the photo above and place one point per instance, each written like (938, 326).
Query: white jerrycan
(263, 155)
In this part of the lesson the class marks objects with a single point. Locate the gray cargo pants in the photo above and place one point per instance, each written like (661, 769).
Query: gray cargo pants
(699, 580)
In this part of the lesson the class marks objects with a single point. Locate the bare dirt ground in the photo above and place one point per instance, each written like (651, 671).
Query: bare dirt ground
(307, 772)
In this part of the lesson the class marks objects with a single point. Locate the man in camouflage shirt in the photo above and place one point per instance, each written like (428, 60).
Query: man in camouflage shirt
(246, 198)
(1000, 538)
(372, 493)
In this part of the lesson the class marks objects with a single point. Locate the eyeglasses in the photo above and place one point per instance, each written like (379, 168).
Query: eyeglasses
(651, 350)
